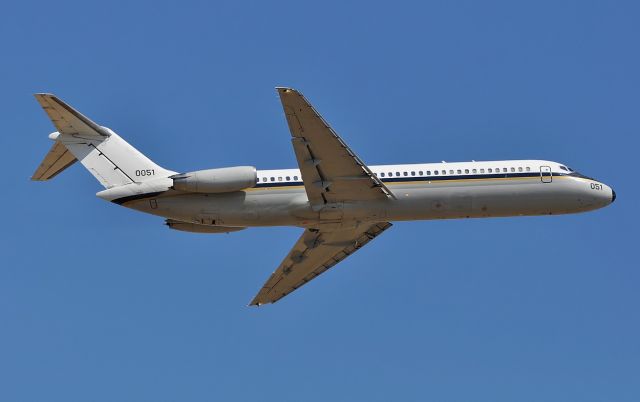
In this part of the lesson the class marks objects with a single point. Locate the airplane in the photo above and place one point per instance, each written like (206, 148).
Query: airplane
(340, 202)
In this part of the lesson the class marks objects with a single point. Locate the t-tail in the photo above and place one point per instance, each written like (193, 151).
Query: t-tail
(109, 158)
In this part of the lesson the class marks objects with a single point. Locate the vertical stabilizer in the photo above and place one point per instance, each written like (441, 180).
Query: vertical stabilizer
(109, 158)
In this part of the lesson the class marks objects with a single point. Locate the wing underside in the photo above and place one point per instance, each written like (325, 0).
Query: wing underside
(330, 170)
(68, 120)
(57, 159)
(314, 253)
(332, 174)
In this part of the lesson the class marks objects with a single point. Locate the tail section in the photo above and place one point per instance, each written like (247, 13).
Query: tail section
(109, 158)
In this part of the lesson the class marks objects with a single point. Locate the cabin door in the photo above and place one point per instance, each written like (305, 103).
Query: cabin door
(545, 174)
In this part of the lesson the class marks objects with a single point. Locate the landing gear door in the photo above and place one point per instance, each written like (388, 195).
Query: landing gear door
(545, 174)
(208, 218)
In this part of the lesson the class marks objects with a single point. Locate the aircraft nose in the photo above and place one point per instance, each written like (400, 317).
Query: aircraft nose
(613, 196)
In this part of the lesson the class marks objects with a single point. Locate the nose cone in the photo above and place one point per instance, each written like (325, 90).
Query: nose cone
(599, 195)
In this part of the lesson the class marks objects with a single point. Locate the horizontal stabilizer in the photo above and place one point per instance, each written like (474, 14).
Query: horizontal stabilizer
(58, 159)
(68, 120)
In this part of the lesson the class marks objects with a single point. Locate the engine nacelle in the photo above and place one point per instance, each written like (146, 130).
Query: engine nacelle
(196, 228)
(223, 180)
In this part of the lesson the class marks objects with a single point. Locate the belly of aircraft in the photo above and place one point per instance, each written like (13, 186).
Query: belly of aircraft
(413, 202)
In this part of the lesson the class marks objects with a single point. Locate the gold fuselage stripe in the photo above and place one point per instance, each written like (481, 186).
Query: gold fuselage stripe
(397, 183)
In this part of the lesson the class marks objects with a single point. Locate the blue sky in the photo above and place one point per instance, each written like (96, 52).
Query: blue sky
(100, 303)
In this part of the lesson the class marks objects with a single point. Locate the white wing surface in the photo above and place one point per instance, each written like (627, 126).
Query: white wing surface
(330, 170)
(314, 253)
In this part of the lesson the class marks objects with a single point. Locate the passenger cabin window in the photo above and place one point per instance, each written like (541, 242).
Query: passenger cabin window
(528, 169)
(397, 174)
(295, 178)
(444, 172)
(481, 170)
(504, 170)
(288, 178)
(520, 169)
(475, 170)
(279, 178)
(428, 172)
(264, 179)
(490, 170)
(435, 172)
(404, 173)
(413, 173)
(273, 179)
(382, 174)
(513, 169)
(466, 170)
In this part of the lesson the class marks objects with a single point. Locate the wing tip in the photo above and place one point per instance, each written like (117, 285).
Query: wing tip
(260, 300)
(284, 90)
(43, 95)
(254, 302)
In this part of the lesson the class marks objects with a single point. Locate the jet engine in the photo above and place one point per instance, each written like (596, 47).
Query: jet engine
(223, 180)
(196, 228)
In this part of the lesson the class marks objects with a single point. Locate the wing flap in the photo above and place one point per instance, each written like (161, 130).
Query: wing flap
(315, 252)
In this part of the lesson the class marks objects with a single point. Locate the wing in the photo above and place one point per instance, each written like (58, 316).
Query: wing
(314, 253)
(57, 160)
(330, 170)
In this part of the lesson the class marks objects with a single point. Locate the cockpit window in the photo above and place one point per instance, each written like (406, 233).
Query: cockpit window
(564, 168)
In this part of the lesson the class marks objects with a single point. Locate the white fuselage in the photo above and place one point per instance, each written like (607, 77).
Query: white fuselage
(422, 191)
(341, 202)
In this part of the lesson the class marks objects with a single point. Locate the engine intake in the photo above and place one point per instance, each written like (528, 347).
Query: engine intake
(223, 180)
